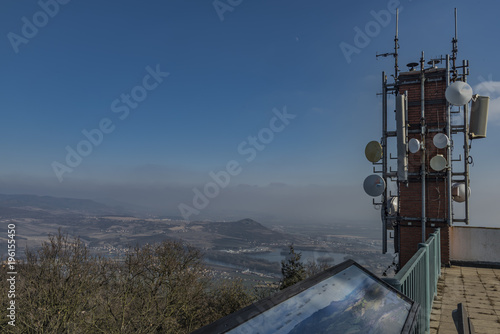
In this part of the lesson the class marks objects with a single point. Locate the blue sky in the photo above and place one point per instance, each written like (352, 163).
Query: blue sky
(225, 78)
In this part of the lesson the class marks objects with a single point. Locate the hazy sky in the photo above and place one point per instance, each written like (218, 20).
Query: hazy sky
(141, 101)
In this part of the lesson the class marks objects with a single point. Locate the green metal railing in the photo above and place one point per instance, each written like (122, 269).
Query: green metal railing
(418, 278)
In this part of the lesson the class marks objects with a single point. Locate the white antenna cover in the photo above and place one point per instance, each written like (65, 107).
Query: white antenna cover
(458, 192)
(438, 163)
(374, 185)
(458, 93)
(393, 206)
(479, 116)
(414, 145)
(441, 140)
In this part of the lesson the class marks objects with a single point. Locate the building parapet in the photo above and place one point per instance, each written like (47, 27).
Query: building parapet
(475, 245)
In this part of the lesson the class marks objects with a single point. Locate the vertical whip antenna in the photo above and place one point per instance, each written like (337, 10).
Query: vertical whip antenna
(396, 46)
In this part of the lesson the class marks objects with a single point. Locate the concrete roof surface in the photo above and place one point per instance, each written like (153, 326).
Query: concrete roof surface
(478, 289)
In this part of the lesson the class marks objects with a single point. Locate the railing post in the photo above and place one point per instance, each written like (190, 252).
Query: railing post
(394, 282)
(433, 263)
(438, 231)
(426, 292)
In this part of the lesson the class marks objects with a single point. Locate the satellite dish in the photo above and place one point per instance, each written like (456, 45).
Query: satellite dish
(373, 151)
(438, 163)
(458, 93)
(414, 145)
(458, 192)
(441, 140)
(374, 185)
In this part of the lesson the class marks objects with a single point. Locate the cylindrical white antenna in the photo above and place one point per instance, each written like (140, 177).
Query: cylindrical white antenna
(397, 22)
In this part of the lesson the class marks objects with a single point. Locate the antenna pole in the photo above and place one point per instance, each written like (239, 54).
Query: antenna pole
(383, 210)
(423, 132)
(454, 50)
(396, 46)
(449, 171)
(465, 66)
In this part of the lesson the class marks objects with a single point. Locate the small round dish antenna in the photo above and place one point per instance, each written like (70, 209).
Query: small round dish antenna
(438, 163)
(458, 192)
(412, 66)
(414, 145)
(373, 151)
(458, 93)
(441, 140)
(374, 185)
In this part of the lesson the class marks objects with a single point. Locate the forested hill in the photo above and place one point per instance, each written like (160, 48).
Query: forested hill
(246, 229)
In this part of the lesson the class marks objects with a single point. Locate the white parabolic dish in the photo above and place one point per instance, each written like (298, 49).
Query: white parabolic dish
(414, 145)
(458, 93)
(438, 163)
(374, 185)
(440, 140)
(458, 191)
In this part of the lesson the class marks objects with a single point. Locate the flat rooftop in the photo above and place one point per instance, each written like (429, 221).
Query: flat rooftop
(478, 289)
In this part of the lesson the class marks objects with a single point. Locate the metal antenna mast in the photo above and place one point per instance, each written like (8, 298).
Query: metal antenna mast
(396, 47)
(454, 50)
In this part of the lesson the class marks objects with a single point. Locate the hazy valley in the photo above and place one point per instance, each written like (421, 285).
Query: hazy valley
(245, 248)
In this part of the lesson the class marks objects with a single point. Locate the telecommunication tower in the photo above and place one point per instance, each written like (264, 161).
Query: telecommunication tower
(436, 117)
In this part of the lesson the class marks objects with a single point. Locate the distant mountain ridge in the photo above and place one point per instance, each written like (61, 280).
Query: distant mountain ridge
(121, 229)
(58, 204)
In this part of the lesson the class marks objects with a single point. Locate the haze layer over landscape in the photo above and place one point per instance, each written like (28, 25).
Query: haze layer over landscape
(262, 108)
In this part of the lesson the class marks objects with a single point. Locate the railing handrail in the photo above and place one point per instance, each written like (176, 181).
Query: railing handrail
(421, 272)
(403, 274)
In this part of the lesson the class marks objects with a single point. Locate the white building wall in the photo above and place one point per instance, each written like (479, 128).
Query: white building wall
(475, 244)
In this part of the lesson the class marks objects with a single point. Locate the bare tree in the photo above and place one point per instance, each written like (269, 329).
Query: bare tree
(159, 288)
